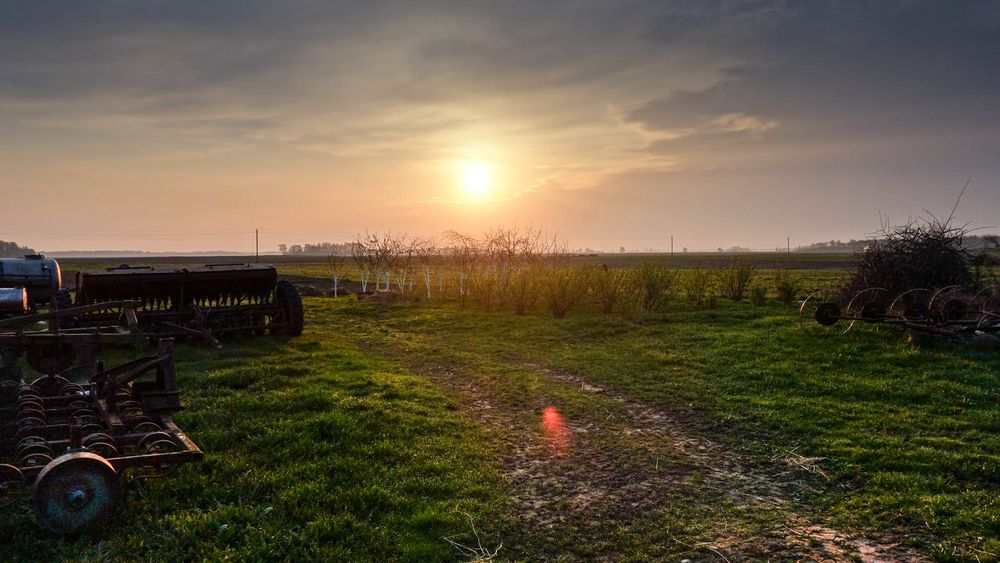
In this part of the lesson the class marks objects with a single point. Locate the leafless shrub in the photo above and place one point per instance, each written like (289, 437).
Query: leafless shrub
(608, 286)
(787, 285)
(758, 294)
(656, 285)
(735, 279)
(463, 255)
(523, 289)
(488, 267)
(698, 285)
(924, 253)
(564, 288)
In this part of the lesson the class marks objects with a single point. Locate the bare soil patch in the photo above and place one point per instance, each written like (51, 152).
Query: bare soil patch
(619, 462)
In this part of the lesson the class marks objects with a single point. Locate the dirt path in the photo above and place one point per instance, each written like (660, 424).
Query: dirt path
(616, 463)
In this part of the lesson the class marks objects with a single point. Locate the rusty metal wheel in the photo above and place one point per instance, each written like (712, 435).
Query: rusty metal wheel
(103, 449)
(76, 492)
(145, 427)
(30, 441)
(159, 468)
(155, 436)
(30, 422)
(36, 459)
(47, 385)
(96, 437)
(911, 305)
(940, 299)
(26, 452)
(821, 306)
(827, 314)
(865, 301)
(288, 297)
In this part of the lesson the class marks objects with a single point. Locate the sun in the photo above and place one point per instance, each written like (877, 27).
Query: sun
(476, 179)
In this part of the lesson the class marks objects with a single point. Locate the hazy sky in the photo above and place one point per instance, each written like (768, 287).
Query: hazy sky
(124, 125)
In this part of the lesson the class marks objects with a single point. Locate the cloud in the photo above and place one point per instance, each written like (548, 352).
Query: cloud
(567, 96)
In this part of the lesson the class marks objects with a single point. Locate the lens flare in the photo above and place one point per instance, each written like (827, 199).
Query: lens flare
(557, 433)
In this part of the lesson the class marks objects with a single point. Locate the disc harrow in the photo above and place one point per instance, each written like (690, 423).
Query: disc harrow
(68, 445)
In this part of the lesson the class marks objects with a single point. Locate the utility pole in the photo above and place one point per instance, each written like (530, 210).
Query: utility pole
(671, 245)
(788, 243)
(256, 243)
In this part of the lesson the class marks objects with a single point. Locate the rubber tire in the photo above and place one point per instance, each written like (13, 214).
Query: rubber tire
(288, 296)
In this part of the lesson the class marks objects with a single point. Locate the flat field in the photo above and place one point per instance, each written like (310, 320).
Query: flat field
(419, 431)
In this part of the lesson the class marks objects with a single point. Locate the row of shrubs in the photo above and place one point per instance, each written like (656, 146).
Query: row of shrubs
(645, 288)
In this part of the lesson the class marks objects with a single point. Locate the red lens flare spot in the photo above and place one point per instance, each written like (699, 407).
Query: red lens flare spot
(557, 433)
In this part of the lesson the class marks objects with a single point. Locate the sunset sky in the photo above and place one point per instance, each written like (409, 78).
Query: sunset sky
(186, 125)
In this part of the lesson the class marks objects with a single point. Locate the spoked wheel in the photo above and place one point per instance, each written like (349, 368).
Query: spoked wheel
(868, 305)
(986, 302)
(76, 492)
(822, 306)
(11, 484)
(946, 304)
(911, 305)
(288, 297)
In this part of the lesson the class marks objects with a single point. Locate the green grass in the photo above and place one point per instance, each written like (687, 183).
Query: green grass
(349, 444)
(313, 451)
(909, 436)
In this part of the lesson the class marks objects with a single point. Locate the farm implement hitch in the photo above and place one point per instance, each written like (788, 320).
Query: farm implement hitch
(67, 440)
(950, 311)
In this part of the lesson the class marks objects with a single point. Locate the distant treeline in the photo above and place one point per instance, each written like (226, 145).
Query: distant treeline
(971, 242)
(13, 250)
(321, 249)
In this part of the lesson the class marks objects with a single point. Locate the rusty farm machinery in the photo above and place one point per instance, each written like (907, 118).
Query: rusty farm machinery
(205, 302)
(71, 433)
(69, 436)
(952, 312)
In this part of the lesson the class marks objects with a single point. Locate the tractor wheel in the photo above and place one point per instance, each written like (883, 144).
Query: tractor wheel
(288, 297)
(75, 492)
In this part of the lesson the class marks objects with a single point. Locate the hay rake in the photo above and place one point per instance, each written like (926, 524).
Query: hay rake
(950, 311)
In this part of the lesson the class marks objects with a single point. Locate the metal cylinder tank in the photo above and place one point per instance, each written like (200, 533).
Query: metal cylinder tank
(39, 275)
(13, 301)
